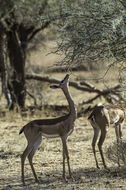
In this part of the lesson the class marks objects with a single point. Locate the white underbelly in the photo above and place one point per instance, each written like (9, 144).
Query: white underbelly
(50, 135)
(55, 135)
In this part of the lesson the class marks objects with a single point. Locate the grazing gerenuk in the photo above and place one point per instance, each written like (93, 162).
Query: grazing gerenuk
(57, 127)
(101, 118)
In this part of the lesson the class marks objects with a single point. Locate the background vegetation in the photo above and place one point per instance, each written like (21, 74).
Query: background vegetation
(88, 33)
(41, 40)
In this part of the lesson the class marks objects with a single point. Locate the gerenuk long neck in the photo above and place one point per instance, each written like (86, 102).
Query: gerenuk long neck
(70, 102)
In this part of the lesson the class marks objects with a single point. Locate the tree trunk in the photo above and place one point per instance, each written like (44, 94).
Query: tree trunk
(17, 62)
(3, 67)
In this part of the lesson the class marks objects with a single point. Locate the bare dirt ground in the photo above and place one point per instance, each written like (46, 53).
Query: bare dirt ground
(48, 160)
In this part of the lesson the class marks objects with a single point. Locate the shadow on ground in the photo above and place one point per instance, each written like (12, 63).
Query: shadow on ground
(53, 180)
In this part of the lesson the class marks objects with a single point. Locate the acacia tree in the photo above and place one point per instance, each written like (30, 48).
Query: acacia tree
(20, 21)
(93, 30)
(89, 30)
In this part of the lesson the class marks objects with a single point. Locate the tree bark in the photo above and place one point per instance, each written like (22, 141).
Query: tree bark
(17, 62)
(3, 67)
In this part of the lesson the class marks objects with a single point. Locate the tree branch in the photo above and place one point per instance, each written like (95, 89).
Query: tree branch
(45, 25)
(109, 94)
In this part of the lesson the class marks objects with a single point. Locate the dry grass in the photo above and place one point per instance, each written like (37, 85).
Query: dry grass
(48, 160)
